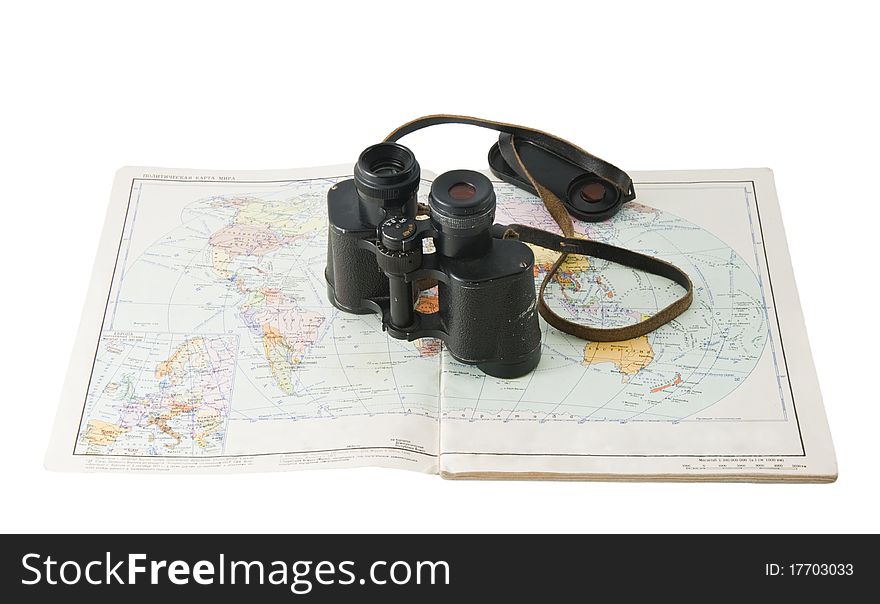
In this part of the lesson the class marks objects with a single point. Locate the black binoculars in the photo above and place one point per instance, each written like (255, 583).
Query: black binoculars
(379, 258)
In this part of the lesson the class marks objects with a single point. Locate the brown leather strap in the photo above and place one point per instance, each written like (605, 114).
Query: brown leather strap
(569, 244)
(619, 255)
(611, 174)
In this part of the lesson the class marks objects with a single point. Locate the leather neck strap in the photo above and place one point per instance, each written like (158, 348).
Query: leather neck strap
(569, 244)
(597, 249)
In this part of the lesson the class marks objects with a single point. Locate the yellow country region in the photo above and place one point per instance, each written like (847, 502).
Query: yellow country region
(278, 353)
(101, 434)
(220, 260)
(574, 263)
(208, 419)
(280, 217)
(630, 356)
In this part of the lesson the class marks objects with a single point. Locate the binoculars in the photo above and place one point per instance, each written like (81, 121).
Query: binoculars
(384, 248)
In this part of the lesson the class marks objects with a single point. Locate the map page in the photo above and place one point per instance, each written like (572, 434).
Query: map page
(208, 344)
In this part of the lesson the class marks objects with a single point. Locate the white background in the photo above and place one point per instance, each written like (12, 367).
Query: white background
(87, 88)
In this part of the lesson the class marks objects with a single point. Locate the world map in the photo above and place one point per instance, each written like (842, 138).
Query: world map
(224, 319)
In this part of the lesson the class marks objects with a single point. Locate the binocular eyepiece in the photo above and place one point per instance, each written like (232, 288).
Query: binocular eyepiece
(376, 259)
(387, 178)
